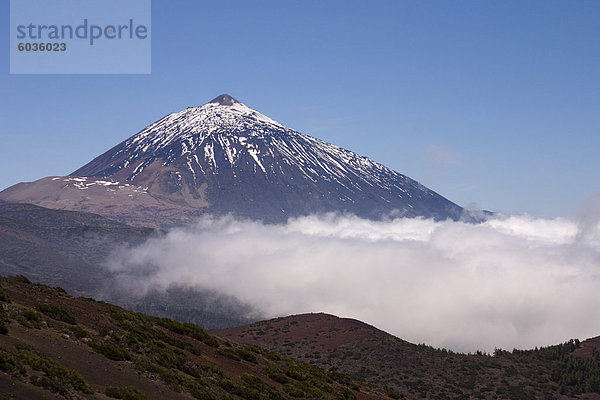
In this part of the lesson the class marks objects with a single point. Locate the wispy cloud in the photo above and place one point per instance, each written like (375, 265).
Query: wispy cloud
(443, 158)
(510, 282)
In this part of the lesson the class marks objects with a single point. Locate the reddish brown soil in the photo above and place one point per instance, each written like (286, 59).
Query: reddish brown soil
(588, 347)
(308, 332)
(374, 356)
(56, 342)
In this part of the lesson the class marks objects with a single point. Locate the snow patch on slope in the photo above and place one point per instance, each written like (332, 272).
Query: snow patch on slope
(83, 183)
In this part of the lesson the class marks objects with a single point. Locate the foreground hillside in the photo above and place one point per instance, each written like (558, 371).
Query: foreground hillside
(417, 371)
(56, 346)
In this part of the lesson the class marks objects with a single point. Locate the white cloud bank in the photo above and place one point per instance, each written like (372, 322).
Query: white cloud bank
(514, 282)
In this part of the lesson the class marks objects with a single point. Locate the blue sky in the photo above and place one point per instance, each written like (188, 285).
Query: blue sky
(492, 103)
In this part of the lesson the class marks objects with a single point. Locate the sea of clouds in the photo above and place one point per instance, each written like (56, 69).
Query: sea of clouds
(510, 282)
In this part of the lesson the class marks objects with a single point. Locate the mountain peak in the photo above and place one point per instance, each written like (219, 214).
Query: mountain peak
(224, 100)
(224, 157)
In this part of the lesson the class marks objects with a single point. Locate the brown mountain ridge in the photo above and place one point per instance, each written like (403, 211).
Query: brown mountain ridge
(569, 370)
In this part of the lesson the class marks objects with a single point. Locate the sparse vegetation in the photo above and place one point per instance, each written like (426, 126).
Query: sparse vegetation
(60, 291)
(231, 354)
(22, 279)
(168, 357)
(4, 296)
(392, 393)
(32, 316)
(239, 355)
(406, 371)
(30, 319)
(54, 376)
(125, 393)
(188, 329)
(56, 312)
(3, 313)
(110, 350)
(78, 332)
(174, 354)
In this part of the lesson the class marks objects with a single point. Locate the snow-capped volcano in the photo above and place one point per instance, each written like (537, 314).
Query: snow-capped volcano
(191, 134)
(225, 157)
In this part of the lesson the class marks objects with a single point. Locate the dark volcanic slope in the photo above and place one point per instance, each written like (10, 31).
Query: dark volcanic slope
(418, 371)
(224, 157)
(68, 249)
(55, 346)
(60, 247)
